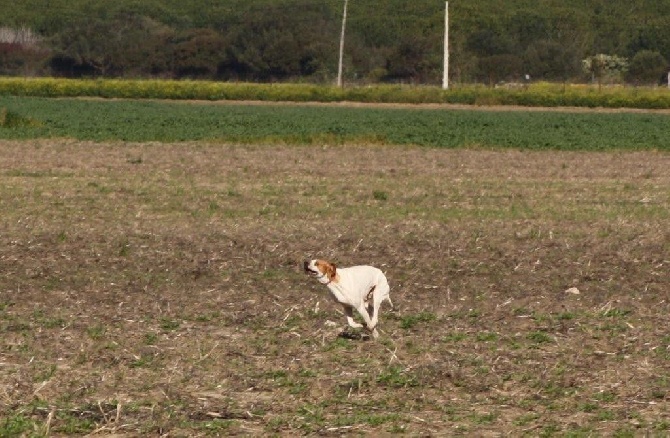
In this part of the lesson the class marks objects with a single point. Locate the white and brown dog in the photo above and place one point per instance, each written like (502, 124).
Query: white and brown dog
(356, 287)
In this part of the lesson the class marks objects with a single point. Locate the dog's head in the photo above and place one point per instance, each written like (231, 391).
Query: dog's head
(324, 271)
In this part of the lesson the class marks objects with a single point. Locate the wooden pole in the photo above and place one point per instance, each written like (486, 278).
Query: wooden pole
(344, 26)
(445, 77)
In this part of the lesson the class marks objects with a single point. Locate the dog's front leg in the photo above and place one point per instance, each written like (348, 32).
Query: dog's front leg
(349, 312)
(366, 317)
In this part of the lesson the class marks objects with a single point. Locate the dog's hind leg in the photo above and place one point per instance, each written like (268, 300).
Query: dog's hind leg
(381, 293)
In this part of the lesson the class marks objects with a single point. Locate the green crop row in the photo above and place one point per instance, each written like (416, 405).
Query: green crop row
(540, 94)
(169, 121)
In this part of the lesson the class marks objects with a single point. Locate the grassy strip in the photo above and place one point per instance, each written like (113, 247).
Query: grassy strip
(141, 121)
(540, 94)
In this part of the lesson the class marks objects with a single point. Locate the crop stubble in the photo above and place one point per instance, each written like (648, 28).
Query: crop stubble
(156, 288)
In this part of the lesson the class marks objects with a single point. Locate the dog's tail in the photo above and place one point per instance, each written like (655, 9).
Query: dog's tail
(385, 288)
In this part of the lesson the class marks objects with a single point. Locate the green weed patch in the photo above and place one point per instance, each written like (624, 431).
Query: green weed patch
(10, 119)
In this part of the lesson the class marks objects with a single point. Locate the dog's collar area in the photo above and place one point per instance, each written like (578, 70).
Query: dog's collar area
(320, 277)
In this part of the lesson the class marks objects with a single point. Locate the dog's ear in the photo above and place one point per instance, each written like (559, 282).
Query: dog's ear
(332, 271)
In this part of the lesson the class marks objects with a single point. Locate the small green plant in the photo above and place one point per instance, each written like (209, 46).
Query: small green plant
(588, 407)
(663, 425)
(487, 418)
(285, 380)
(143, 361)
(16, 425)
(124, 248)
(539, 337)
(340, 343)
(150, 338)
(397, 377)
(4, 306)
(454, 337)
(605, 415)
(487, 337)
(625, 432)
(207, 317)
(62, 237)
(48, 321)
(605, 396)
(213, 207)
(72, 424)
(379, 195)
(566, 316)
(409, 321)
(312, 417)
(522, 311)
(96, 332)
(526, 419)
(169, 324)
(549, 430)
(616, 313)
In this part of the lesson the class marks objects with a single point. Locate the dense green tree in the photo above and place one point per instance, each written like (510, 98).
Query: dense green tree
(386, 40)
(647, 67)
(196, 53)
(413, 60)
(527, 27)
(549, 60)
(271, 44)
(109, 46)
(499, 68)
(490, 41)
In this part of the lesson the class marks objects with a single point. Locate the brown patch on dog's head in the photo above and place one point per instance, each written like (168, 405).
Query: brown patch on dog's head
(328, 269)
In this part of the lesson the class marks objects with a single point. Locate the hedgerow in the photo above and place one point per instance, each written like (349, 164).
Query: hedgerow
(540, 94)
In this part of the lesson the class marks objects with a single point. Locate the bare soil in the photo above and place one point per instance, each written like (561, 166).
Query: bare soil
(155, 289)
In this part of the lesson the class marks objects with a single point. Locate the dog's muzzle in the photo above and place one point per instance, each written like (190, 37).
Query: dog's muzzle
(306, 267)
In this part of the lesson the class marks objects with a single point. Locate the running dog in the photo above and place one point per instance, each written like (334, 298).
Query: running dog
(356, 287)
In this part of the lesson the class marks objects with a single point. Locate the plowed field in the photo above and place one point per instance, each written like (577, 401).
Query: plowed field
(155, 289)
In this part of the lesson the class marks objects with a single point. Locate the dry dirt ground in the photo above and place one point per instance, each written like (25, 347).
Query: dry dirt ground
(155, 289)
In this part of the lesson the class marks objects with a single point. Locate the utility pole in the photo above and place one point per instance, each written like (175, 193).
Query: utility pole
(445, 77)
(344, 26)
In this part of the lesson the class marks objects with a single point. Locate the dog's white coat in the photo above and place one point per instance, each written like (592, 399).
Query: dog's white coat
(363, 288)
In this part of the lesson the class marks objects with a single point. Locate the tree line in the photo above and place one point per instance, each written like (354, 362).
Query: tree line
(297, 40)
